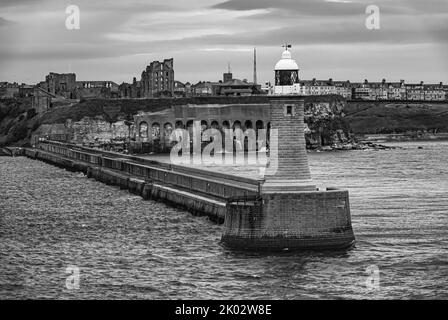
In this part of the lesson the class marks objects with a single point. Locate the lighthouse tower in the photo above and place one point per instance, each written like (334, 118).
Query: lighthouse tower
(289, 212)
(286, 74)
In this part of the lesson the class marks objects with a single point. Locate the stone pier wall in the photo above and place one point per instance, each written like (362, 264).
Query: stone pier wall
(191, 189)
(305, 220)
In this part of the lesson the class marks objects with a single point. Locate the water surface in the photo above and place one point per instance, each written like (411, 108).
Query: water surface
(126, 247)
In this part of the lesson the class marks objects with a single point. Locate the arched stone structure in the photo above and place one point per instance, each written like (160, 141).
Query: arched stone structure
(155, 132)
(167, 130)
(226, 124)
(143, 130)
(179, 125)
(237, 125)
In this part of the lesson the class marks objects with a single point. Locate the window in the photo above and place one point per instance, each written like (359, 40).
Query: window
(289, 110)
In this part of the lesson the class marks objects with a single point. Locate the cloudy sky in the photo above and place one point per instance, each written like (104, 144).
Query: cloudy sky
(117, 39)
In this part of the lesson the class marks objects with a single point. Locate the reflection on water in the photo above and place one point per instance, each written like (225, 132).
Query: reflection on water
(126, 247)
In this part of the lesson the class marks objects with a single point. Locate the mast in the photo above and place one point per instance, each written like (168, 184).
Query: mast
(255, 65)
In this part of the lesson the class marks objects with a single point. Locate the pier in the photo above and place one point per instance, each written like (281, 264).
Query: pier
(201, 192)
(284, 210)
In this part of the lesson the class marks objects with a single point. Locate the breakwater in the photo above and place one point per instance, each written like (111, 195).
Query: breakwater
(199, 192)
(285, 210)
(319, 218)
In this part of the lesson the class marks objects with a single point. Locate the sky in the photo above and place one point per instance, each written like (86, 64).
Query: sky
(118, 39)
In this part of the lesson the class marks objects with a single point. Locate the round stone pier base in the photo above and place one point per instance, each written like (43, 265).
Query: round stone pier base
(315, 220)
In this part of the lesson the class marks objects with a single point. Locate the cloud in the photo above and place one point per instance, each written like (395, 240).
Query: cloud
(140, 29)
(299, 7)
(4, 22)
(337, 8)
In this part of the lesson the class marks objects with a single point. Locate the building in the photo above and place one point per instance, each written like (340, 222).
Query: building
(228, 76)
(179, 89)
(378, 90)
(415, 91)
(158, 79)
(202, 88)
(375, 91)
(236, 87)
(61, 84)
(26, 90)
(343, 88)
(361, 91)
(130, 90)
(96, 89)
(396, 90)
(434, 92)
(41, 99)
(317, 87)
(286, 74)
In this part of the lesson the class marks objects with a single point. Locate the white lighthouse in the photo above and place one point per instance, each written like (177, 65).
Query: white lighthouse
(286, 74)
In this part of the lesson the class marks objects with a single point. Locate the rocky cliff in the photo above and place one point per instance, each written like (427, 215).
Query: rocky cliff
(325, 122)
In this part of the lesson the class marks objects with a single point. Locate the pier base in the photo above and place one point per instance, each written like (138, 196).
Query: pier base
(290, 221)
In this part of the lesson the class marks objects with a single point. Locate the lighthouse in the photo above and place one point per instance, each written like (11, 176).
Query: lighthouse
(290, 212)
(286, 74)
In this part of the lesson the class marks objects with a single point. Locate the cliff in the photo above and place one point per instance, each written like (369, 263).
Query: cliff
(17, 121)
(325, 122)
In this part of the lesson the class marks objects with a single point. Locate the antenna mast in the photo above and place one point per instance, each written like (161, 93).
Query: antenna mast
(255, 65)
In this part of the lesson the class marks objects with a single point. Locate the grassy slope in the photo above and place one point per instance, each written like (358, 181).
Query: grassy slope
(17, 120)
(383, 117)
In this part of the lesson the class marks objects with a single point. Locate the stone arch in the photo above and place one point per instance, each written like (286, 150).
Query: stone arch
(248, 124)
(226, 124)
(143, 129)
(204, 125)
(179, 125)
(167, 130)
(237, 124)
(155, 131)
(214, 124)
(259, 124)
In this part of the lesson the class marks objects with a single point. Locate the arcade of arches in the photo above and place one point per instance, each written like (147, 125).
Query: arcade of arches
(156, 128)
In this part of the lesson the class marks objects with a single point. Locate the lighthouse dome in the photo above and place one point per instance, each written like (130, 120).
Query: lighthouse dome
(286, 62)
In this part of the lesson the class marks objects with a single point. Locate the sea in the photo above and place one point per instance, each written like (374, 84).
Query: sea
(64, 236)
